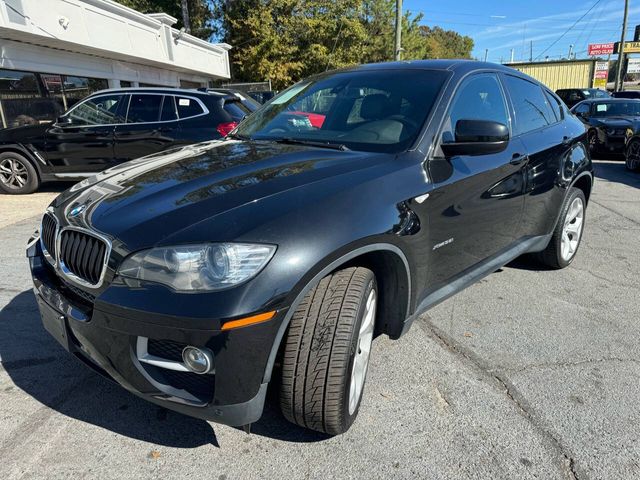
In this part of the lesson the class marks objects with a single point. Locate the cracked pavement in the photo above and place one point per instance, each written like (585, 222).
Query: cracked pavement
(526, 374)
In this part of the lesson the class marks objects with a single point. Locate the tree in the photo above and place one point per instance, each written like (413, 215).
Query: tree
(440, 43)
(200, 13)
(286, 40)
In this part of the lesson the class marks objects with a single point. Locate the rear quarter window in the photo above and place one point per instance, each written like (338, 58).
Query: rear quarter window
(188, 107)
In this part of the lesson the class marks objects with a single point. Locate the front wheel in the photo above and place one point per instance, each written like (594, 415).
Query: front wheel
(632, 156)
(326, 353)
(17, 174)
(567, 235)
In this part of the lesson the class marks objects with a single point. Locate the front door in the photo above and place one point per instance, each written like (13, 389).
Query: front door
(476, 205)
(83, 140)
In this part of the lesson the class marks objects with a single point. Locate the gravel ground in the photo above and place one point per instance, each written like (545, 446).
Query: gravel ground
(527, 374)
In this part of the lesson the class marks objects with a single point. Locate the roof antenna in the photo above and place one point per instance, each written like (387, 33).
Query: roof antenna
(334, 44)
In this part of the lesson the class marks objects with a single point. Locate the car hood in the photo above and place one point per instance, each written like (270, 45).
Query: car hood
(616, 121)
(23, 134)
(144, 201)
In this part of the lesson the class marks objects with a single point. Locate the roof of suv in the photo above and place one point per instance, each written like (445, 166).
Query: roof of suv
(167, 90)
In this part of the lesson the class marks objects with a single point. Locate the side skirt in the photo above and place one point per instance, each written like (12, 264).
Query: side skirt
(476, 273)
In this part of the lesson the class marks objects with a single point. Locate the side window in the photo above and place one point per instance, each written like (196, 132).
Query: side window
(479, 98)
(168, 112)
(582, 108)
(188, 107)
(556, 106)
(102, 110)
(144, 108)
(531, 106)
(601, 94)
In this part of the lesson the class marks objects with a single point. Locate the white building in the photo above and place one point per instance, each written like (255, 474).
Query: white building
(54, 52)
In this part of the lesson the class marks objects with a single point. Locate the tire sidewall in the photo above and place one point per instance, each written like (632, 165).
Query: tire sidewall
(573, 194)
(32, 179)
(627, 164)
(348, 419)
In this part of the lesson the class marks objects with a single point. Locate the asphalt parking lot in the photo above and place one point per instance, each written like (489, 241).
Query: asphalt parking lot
(527, 374)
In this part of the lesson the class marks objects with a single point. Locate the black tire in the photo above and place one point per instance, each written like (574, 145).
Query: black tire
(319, 352)
(552, 256)
(10, 163)
(632, 156)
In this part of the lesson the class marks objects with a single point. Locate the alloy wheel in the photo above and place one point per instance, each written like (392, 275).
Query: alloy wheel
(13, 173)
(633, 156)
(363, 349)
(572, 229)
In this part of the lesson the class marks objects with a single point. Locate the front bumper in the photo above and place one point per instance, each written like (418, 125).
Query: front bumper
(610, 143)
(108, 342)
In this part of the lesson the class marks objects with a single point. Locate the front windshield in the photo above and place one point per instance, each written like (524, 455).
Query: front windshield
(376, 111)
(608, 109)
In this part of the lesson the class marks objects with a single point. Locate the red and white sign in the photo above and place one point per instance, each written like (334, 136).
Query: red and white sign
(601, 48)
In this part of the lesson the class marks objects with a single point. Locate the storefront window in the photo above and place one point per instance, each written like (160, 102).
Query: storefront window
(22, 102)
(28, 98)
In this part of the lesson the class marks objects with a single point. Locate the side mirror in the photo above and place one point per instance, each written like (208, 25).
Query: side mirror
(477, 137)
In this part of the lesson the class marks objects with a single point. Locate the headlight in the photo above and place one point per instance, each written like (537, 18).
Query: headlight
(204, 267)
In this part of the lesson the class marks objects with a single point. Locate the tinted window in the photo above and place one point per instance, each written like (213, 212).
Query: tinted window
(144, 108)
(168, 109)
(531, 106)
(607, 109)
(319, 109)
(102, 110)
(556, 107)
(480, 98)
(582, 108)
(188, 107)
(236, 109)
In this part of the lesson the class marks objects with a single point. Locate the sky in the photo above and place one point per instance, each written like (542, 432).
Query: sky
(500, 26)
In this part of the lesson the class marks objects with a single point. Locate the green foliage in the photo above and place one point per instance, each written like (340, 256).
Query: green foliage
(286, 40)
(200, 13)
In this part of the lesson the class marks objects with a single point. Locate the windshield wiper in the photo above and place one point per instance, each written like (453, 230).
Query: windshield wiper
(311, 143)
(237, 136)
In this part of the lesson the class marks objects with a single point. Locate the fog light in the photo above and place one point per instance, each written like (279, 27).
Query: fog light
(198, 360)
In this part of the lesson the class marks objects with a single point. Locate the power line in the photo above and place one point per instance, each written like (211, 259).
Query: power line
(569, 29)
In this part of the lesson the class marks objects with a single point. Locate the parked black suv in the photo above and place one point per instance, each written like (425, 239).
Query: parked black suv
(110, 127)
(196, 277)
(572, 96)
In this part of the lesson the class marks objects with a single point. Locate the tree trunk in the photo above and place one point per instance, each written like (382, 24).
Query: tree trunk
(185, 16)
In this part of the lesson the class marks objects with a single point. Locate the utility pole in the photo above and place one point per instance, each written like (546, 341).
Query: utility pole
(185, 16)
(486, 54)
(619, 75)
(531, 51)
(570, 51)
(398, 45)
(512, 55)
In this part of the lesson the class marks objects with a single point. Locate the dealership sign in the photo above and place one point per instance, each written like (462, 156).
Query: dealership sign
(601, 75)
(601, 48)
(634, 65)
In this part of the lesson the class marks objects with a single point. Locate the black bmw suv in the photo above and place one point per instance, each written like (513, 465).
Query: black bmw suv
(111, 127)
(339, 211)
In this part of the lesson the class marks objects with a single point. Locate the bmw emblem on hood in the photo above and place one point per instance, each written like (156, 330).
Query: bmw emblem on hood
(75, 211)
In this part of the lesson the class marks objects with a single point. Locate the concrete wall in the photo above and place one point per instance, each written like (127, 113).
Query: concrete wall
(106, 31)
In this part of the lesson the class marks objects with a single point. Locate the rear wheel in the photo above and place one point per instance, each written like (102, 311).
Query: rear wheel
(326, 353)
(632, 156)
(17, 174)
(592, 137)
(567, 235)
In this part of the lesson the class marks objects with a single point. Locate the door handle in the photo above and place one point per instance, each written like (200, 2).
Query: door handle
(518, 158)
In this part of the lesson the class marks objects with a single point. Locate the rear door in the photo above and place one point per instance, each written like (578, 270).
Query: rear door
(196, 122)
(150, 127)
(539, 124)
(476, 206)
(85, 141)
